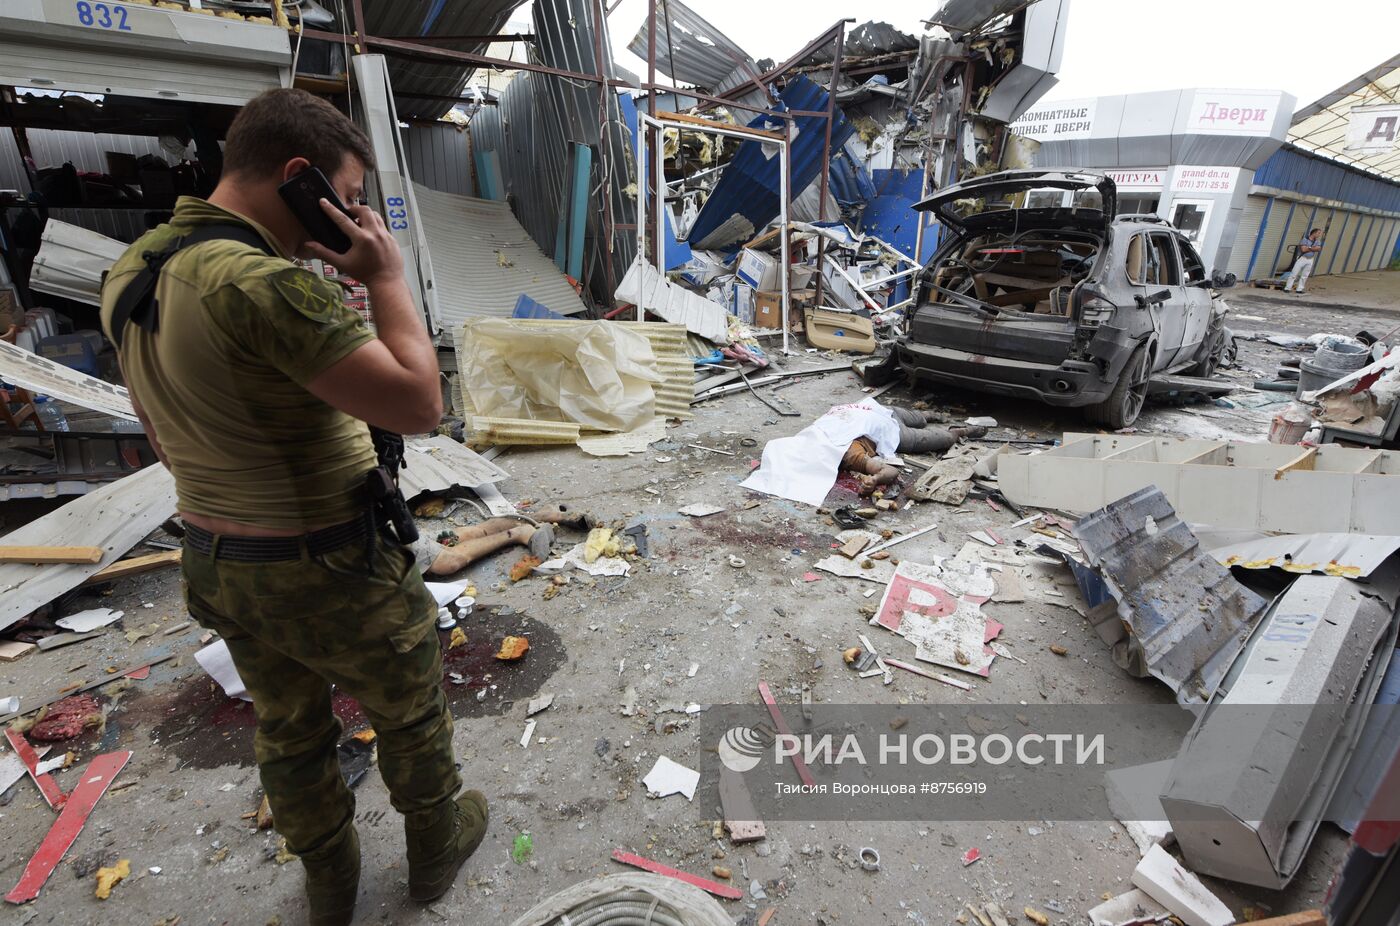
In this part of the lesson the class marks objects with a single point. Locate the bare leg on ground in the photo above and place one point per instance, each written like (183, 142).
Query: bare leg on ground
(470, 549)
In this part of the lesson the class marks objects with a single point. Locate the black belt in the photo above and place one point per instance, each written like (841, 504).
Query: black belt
(274, 549)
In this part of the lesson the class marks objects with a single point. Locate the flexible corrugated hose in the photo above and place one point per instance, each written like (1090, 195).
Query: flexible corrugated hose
(627, 900)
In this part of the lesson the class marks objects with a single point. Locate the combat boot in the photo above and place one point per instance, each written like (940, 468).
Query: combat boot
(333, 881)
(440, 840)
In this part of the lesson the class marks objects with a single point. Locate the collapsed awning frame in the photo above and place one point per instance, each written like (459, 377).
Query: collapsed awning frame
(783, 142)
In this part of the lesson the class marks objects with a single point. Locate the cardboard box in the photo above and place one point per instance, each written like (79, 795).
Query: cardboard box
(759, 270)
(768, 314)
(766, 311)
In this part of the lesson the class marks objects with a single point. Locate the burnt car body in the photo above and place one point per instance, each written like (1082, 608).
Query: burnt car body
(1038, 292)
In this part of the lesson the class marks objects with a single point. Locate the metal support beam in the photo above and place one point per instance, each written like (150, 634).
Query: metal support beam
(725, 98)
(605, 162)
(473, 39)
(840, 49)
(654, 87)
(416, 49)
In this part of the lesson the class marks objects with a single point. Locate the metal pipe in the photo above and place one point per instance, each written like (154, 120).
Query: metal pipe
(416, 50)
(641, 259)
(695, 94)
(660, 167)
(657, 142)
(840, 41)
(785, 237)
(477, 39)
(605, 161)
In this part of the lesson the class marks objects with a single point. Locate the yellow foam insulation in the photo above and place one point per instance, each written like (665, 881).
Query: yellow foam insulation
(672, 394)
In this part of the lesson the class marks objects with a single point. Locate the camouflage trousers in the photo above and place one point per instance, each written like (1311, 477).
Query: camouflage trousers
(295, 628)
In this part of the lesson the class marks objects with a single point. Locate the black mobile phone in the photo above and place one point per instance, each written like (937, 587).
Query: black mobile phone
(303, 194)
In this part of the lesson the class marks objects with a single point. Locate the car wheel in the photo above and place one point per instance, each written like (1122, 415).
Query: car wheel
(1210, 360)
(1125, 402)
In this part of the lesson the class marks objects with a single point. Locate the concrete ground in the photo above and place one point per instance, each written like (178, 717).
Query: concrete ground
(576, 789)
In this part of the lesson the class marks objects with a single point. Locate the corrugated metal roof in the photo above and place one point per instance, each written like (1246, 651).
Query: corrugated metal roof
(539, 116)
(522, 431)
(440, 157)
(1308, 174)
(1187, 614)
(971, 15)
(1323, 126)
(867, 41)
(746, 198)
(692, 51)
(72, 261)
(483, 260)
(87, 150)
(440, 463)
(433, 17)
(1348, 555)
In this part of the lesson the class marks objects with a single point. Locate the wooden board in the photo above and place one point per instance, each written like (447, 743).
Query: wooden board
(740, 817)
(135, 566)
(783, 728)
(49, 555)
(851, 548)
(10, 650)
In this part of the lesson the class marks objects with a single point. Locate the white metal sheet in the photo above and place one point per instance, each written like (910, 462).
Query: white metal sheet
(115, 518)
(485, 260)
(139, 50)
(440, 463)
(71, 261)
(46, 377)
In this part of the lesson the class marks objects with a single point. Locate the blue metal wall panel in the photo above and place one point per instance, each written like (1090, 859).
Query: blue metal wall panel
(890, 214)
(749, 186)
(1297, 171)
(1259, 239)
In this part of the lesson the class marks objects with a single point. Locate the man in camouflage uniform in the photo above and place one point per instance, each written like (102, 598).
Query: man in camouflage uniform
(254, 383)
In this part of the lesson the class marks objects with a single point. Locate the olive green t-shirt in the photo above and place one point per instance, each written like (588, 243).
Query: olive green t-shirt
(223, 378)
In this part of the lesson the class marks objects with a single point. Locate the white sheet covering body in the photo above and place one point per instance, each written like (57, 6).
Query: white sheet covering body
(804, 467)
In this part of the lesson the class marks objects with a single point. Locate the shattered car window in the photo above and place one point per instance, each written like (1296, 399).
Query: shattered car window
(1027, 199)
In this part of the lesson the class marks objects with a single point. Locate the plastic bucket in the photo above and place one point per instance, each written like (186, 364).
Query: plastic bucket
(1312, 377)
(1339, 355)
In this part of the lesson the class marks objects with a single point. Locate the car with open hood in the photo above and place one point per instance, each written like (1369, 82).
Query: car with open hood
(1038, 291)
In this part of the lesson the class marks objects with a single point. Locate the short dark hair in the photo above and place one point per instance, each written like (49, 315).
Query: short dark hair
(1314, 231)
(278, 125)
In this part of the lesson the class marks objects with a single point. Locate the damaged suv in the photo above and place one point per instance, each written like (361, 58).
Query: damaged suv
(1039, 292)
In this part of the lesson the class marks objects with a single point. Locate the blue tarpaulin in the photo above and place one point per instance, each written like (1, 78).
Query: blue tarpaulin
(747, 196)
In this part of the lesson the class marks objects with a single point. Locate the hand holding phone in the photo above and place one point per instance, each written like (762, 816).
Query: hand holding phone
(373, 256)
(303, 194)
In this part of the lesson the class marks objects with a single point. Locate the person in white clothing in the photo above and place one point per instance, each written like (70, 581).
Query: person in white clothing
(1308, 249)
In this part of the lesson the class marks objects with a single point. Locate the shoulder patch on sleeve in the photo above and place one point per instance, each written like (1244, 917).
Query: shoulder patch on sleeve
(307, 293)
